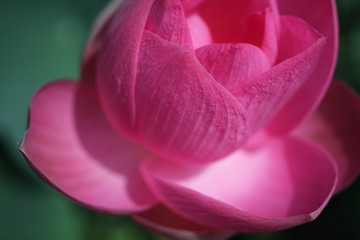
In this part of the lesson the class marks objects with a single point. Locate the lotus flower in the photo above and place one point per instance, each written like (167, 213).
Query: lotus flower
(202, 118)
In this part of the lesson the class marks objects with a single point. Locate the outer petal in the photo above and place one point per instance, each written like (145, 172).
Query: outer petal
(117, 64)
(336, 126)
(163, 216)
(171, 225)
(183, 113)
(118, 56)
(275, 185)
(311, 93)
(72, 147)
(264, 96)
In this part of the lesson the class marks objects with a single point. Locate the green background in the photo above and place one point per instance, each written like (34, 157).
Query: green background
(41, 40)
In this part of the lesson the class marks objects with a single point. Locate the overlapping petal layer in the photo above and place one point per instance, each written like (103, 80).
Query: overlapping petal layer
(336, 126)
(233, 64)
(190, 5)
(173, 77)
(117, 64)
(162, 220)
(264, 96)
(167, 20)
(199, 31)
(310, 94)
(130, 80)
(71, 145)
(264, 32)
(163, 216)
(227, 25)
(271, 186)
(183, 113)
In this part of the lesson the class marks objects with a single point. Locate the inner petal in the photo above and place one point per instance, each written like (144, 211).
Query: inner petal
(199, 31)
(232, 64)
(228, 20)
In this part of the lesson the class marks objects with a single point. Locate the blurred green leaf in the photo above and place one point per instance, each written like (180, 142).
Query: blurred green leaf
(28, 214)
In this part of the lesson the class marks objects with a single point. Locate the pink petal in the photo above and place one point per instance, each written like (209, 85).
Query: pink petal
(228, 20)
(295, 37)
(165, 222)
(167, 20)
(117, 64)
(275, 185)
(199, 31)
(162, 216)
(189, 5)
(336, 126)
(183, 113)
(72, 147)
(264, 32)
(232, 64)
(176, 234)
(265, 95)
(311, 93)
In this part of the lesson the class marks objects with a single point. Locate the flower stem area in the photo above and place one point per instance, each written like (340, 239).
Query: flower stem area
(42, 40)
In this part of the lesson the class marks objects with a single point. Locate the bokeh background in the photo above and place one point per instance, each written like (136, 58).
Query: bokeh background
(41, 40)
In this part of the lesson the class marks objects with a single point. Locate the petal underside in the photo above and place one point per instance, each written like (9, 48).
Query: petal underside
(273, 186)
(165, 222)
(336, 126)
(71, 145)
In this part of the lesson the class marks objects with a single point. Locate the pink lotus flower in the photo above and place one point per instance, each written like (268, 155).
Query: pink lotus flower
(193, 117)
